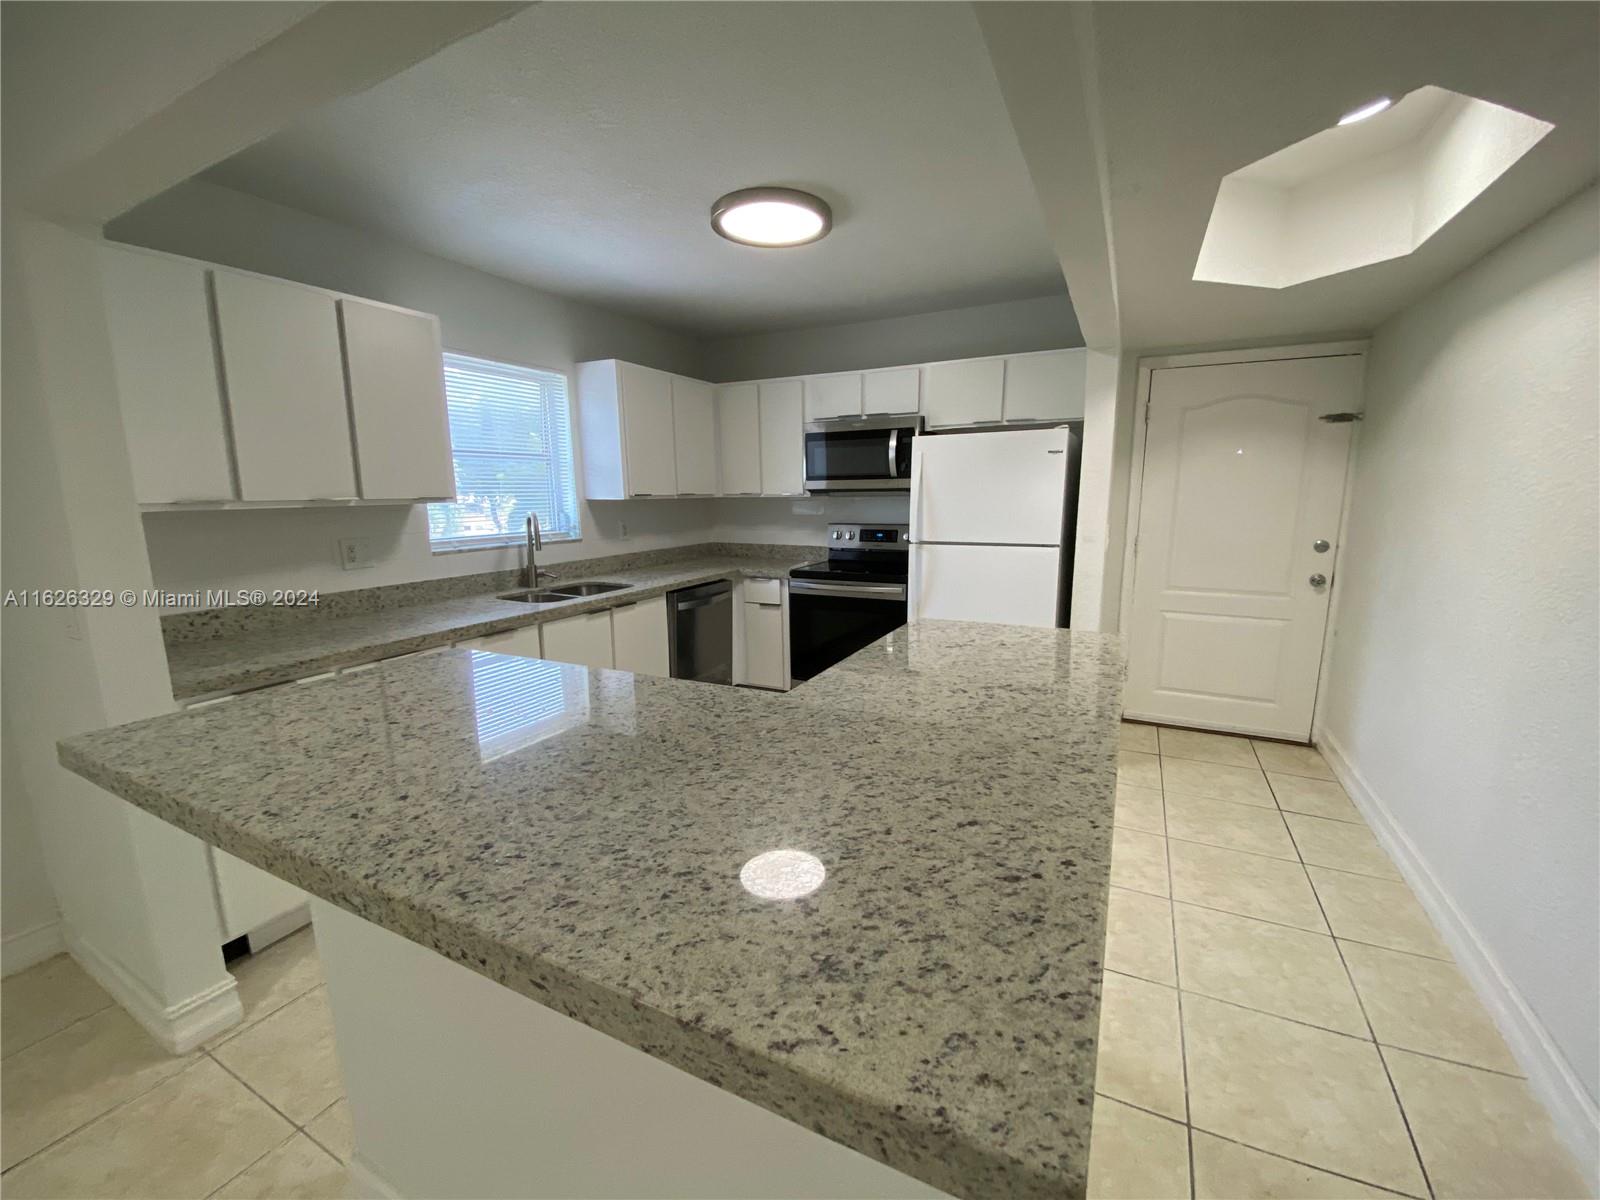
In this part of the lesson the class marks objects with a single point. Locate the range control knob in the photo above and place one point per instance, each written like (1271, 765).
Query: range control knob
(835, 535)
(850, 535)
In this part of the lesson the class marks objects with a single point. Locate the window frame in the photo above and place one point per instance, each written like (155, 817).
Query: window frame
(503, 541)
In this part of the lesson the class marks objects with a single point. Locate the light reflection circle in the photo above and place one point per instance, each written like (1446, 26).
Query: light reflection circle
(782, 875)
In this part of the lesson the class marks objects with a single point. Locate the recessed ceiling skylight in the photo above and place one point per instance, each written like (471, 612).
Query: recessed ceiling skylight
(771, 216)
(1373, 188)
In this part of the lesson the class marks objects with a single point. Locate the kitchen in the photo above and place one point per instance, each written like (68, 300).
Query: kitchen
(899, 510)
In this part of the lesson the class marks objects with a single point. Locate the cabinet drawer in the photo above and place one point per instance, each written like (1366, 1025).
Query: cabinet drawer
(763, 591)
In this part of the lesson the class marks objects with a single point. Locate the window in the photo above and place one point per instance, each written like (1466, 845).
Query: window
(511, 440)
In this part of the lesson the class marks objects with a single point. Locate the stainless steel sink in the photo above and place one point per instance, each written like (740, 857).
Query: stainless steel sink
(536, 596)
(586, 588)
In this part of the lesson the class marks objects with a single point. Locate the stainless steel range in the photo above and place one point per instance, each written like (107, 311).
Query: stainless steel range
(848, 600)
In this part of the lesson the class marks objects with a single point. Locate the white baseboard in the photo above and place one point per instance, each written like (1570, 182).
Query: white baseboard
(19, 951)
(1550, 1075)
(368, 1184)
(179, 1027)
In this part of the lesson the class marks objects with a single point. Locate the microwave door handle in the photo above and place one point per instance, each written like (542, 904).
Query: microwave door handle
(894, 453)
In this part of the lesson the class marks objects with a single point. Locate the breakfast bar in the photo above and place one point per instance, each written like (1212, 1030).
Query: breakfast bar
(841, 941)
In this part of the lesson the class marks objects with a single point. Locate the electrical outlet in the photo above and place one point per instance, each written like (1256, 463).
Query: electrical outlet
(356, 553)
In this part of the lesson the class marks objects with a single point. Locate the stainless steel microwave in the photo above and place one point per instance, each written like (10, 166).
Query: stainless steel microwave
(871, 455)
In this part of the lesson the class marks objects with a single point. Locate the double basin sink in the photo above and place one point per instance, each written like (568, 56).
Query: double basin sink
(561, 592)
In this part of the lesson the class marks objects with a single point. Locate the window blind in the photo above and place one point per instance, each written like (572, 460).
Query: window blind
(511, 441)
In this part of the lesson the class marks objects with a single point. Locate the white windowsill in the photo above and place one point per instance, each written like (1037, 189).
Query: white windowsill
(508, 543)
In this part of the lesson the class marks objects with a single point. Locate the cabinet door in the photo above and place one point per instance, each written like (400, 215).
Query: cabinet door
(647, 431)
(584, 639)
(159, 320)
(524, 643)
(1045, 387)
(763, 646)
(639, 637)
(887, 393)
(833, 396)
(402, 433)
(964, 393)
(739, 440)
(782, 439)
(285, 381)
(694, 427)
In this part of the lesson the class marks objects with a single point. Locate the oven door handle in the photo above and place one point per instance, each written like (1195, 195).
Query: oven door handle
(865, 591)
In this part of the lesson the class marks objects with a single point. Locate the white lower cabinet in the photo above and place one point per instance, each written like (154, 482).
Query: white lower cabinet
(766, 634)
(639, 637)
(523, 642)
(584, 639)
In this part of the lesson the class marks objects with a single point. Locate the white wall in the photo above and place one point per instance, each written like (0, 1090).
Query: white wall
(1041, 323)
(135, 894)
(1462, 688)
(29, 929)
(480, 314)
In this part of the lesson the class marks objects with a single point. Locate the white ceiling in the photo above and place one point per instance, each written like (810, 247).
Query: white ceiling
(578, 148)
(1191, 92)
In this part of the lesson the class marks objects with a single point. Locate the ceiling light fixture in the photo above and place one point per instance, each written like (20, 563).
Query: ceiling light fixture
(1366, 110)
(771, 216)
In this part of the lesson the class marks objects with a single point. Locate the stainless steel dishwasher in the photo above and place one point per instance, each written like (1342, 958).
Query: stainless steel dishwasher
(701, 621)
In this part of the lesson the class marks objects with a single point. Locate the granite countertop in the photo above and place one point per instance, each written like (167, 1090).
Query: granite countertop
(934, 1004)
(317, 643)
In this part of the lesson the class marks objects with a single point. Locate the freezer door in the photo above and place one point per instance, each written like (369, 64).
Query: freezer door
(1003, 585)
(1001, 488)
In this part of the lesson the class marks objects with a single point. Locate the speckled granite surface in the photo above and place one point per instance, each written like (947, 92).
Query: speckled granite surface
(934, 1004)
(309, 642)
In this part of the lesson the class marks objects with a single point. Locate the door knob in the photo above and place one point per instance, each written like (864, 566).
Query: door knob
(1320, 545)
(1319, 581)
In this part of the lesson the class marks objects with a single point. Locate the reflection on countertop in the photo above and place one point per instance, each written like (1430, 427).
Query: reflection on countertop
(931, 998)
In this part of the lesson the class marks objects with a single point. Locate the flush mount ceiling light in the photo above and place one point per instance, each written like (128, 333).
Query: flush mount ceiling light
(1366, 110)
(771, 216)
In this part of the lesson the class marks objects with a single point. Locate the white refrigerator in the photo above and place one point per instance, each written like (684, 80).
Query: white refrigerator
(993, 517)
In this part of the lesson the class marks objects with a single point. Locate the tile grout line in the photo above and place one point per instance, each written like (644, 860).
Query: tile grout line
(1405, 1120)
(1177, 982)
(253, 1162)
(1223, 1137)
(54, 1032)
(98, 1117)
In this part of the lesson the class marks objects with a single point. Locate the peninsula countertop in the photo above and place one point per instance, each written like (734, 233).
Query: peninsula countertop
(578, 836)
(317, 643)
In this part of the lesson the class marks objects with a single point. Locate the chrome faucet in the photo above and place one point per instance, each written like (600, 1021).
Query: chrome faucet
(530, 571)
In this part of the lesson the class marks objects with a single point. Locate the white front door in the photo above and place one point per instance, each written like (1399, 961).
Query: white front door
(1237, 539)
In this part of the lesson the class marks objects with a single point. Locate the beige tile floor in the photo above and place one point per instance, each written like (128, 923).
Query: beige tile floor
(90, 1106)
(1280, 1018)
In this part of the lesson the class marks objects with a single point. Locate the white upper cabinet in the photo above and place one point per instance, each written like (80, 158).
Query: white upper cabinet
(397, 408)
(833, 396)
(739, 439)
(890, 393)
(159, 320)
(647, 431)
(1045, 387)
(694, 425)
(285, 379)
(625, 415)
(782, 438)
(966, 392)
